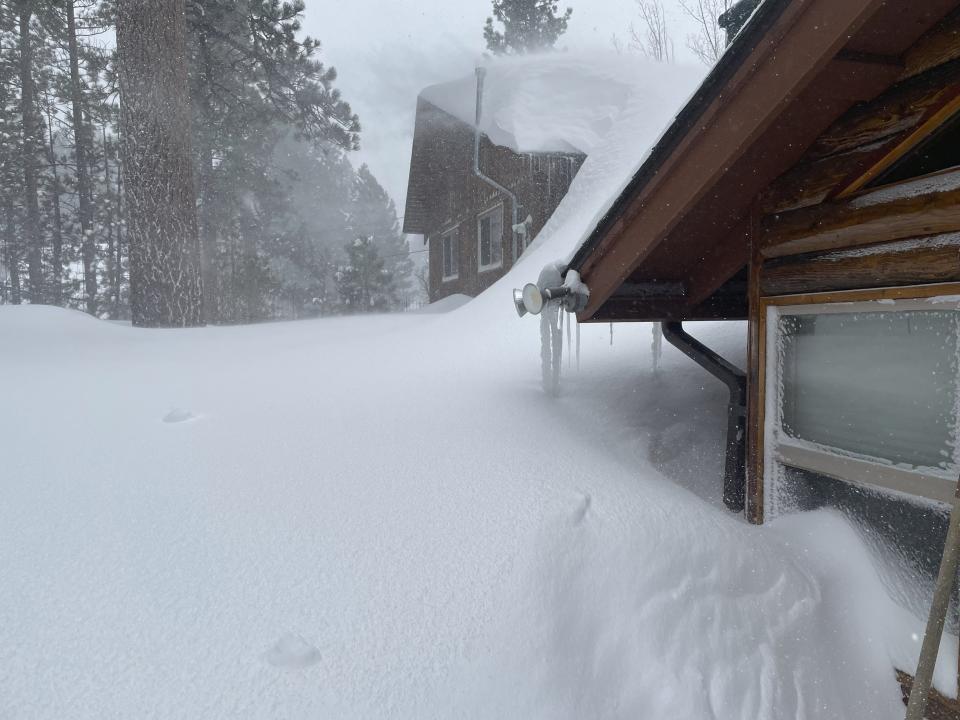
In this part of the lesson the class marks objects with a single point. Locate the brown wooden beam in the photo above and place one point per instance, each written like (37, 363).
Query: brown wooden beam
(806, 39)
(719, 263)
(939, 706)
(885, 265)
(854, 222)
(722, 306)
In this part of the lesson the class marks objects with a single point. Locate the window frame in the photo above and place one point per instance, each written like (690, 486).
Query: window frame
(489, 212)
(775, 451)
(449, 234)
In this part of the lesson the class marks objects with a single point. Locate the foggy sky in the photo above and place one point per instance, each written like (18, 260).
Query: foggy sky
(386, 51)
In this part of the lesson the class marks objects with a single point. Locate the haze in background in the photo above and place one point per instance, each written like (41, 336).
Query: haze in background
(386, 52)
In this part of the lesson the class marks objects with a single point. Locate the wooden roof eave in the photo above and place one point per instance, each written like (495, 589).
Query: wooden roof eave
(788, 75)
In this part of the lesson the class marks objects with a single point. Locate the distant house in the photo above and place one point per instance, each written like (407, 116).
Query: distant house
(469, 185)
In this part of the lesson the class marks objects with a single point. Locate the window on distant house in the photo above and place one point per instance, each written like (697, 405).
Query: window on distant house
(866, 391)
(490, 238)
(450, 252)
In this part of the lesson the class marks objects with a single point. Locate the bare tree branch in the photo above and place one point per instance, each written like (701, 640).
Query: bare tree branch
(709, 41)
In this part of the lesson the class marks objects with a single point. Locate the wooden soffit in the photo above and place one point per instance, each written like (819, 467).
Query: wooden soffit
(683, 218)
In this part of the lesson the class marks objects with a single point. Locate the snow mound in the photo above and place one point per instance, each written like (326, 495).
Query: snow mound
(559, 102)
(444, 305)
(399, 487)
(177, 415)
(292, 651)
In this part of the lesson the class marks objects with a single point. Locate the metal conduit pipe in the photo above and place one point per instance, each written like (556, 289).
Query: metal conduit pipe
(514, 205)
(734, 476)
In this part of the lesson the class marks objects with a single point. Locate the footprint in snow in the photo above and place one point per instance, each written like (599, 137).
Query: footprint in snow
(178, 416)
(292, 651)
(581, 512)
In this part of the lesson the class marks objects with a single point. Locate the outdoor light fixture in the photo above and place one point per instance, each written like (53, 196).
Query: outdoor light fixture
(532, 299)
(572, 294)
(528, 300)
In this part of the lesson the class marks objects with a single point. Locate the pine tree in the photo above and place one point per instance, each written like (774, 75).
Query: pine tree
(82, 139)
(373, 215)
(32, 149)
(528, 26)
(10, 158)
(157, 163)
(363, 283)
(252, 79)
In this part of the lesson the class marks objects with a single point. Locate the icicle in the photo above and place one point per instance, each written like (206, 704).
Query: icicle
(611, 334)
(569, 353)
(656, 347)
(578, 345)
(551, 347)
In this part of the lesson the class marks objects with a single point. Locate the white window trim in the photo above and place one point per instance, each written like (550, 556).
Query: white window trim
(481, 216)
(456, 274)
(780, 449)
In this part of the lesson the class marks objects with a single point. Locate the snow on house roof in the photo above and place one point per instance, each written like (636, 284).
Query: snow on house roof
(613, 107)
(560, 102)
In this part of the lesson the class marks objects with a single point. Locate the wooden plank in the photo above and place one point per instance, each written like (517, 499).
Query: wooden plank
(627, 309)
(756, 379)
(939, 706)
(856, 222)
(898, 263)
(898, 108)
(939, 45)
(936, 118)
(719, 263)
(867, 139)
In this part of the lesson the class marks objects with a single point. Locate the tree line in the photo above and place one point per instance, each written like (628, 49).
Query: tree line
(283, 225)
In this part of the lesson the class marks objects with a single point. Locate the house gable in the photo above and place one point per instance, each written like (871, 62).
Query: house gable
(444, 193)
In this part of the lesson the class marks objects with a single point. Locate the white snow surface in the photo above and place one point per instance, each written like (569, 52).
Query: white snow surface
(385, 517)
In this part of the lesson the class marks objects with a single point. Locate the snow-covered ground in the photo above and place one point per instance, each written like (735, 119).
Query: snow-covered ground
(386, 517)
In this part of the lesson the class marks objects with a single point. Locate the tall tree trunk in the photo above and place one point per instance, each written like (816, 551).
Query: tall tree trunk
(118, 279)
(108, 225)
(81, 139)
(207, 226)
(31, 225)
(165, 284)
(57, 257)
(11, 255)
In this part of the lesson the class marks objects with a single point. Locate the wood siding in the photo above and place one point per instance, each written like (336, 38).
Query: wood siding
(820, 229)
(444, 193)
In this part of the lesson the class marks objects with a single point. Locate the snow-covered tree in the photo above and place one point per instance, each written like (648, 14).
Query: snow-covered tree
(373, 215)
(363, 282)
(528, 26)
(253, 80)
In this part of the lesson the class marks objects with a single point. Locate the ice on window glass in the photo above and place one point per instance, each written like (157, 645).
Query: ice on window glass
(876, 384)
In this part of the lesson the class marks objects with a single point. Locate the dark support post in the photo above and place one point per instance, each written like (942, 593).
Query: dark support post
(734, 476)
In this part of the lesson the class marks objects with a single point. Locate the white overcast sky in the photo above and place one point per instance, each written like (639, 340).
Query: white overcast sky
(386, 51)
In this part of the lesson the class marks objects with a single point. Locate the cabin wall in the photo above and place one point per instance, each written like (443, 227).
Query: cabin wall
(446, 194)
(820, 229)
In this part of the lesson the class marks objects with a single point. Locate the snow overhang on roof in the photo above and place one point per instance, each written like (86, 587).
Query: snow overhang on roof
(607, 106)
(555, 102)
(795, 67)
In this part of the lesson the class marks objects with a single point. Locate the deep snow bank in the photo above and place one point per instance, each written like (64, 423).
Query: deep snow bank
(384, 517)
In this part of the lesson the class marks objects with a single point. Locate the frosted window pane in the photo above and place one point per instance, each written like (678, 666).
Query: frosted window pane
(496, 236)
(883, 385)
(485, 241)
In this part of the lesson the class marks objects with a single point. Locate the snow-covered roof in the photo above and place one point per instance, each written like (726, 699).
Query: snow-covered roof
(558, 102)
(613, 107)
